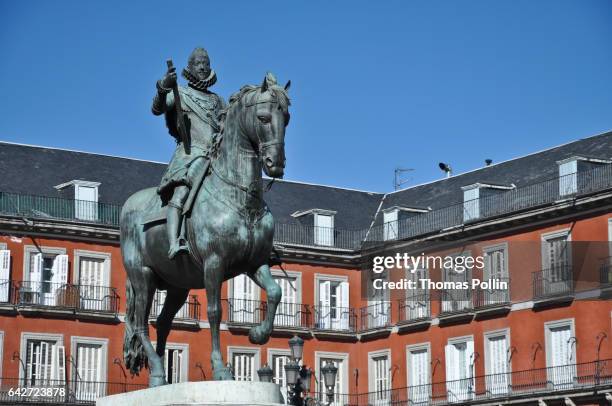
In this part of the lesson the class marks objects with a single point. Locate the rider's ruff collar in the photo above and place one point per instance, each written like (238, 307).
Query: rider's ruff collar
(201, 85)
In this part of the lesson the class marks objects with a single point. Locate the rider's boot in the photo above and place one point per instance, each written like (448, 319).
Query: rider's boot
(173, 222)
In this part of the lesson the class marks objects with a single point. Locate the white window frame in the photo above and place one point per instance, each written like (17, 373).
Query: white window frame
(184, 348)
(331, 278)
(471, 206)
(26, 336)
(297, 277)
(103, 343)
(411, 348)
(231, 350)
(568, 182)
(81, 254)
(566, 232)
(274, 352)
(553, 374)
(333, 355)
(2, 352)
(326, 240)
(488, 335)
(390, 226)
(458, 305)
(371, 368)
(548, 326)
(459, 340)
(29, 250)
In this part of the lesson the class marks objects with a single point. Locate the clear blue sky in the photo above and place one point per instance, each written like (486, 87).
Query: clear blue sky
(375, 85)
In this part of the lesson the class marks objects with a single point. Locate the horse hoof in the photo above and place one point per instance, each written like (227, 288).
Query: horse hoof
(258, 336)
(156, 380)
(223, 374)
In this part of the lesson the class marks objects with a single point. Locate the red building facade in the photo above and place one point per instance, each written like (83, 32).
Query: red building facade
(542, 223)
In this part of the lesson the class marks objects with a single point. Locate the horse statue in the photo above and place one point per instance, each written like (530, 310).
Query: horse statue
(229, 229)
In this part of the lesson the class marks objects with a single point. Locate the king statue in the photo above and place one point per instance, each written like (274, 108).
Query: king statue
(193, 120)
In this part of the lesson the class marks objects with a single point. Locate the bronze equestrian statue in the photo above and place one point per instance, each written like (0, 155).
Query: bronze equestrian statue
(227, 225)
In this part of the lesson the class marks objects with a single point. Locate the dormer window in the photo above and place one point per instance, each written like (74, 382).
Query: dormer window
(85, 195)
(396, 215)
(474, 194)
(322, 225)
(569, 169)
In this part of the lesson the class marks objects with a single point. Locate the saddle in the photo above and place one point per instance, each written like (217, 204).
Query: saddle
(158, 215)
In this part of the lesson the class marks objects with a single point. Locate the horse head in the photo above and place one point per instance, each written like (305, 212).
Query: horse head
(266, 114)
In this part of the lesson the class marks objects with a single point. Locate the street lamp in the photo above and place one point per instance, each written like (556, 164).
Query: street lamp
(298, 378)
(265, 373)
(296, 345)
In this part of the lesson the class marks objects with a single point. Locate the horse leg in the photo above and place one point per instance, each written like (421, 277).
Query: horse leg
(213, 279)
(175, 299)
(260, 334)
(145, 288)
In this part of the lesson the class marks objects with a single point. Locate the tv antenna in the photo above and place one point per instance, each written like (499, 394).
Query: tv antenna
(398, 181)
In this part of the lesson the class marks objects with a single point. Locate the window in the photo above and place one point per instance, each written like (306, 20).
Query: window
(245, 363)
(47, 278)
(89, 375)
(561, 353)
(340, 361)
(324, 229)
(417, 300)
(471, 206)
(497, 364)
(417, 358)
(334, 308)
(379, 308)
(93, 273)
(45, 359)
(495, 268)
(158, 305)
(86, 200)
(568, 178)
(244, 304)
(390, 225)
(174, 364)
(288, 312)
(277, 361)
(456, 300)
(5, 276)
(460, 369)
(556, 276)
(380, 379)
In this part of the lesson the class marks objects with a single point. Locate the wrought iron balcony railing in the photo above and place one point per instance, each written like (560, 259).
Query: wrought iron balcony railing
(47, 207)
(456, 301)
(86, 298)
(288, 315)
(17, 391)
(525, 385)
(494, 296)
(316, 236)
(553, 282)
(190, 311)
(375, 316)
(415, 308)
(501, 203)
(334, 318)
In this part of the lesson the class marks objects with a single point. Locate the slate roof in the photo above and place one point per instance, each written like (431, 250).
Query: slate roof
(36, 170)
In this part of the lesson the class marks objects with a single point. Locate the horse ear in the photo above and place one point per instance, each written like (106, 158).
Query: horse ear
(264, 85)
(288, 85)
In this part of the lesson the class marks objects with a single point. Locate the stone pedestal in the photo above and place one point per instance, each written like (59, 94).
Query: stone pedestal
(208, 393)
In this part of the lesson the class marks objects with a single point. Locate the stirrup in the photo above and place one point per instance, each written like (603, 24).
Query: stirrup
(176, 249)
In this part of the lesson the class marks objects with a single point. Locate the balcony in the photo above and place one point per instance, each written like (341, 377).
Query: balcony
(188, 315)
(375, 320)
(59, 391)
(553, 286)
(493, 302)
(318, 237)
(334, 322)
(414, 313)
(83, 301)
(456, 306)
(585, 383)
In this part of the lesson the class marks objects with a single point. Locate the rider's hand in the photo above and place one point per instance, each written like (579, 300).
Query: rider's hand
(169, 81)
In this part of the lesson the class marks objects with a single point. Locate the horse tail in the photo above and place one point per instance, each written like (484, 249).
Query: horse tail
(133, 349)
